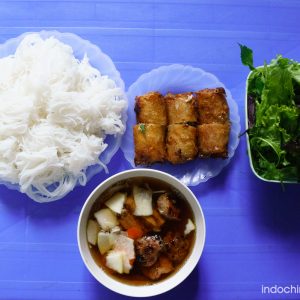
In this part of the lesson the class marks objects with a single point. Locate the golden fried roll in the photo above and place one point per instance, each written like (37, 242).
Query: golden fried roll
(149, 143)
(212, 106)
(213, 139)
(181, 143)
(181, 108)
(151, 109)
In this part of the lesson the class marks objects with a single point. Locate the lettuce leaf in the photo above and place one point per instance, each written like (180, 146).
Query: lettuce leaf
(274, 134)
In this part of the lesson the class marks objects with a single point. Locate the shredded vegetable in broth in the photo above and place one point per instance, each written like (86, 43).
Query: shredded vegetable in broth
(55, 112)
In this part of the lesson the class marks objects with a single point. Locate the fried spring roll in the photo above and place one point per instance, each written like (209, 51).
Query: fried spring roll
(149, 143)
(212, 106)
(213, 140)
(181, 143)
(181, 108)
(151, 109)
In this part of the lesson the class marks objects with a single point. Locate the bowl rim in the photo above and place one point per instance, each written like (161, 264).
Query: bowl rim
(248, 139)
(160, 287)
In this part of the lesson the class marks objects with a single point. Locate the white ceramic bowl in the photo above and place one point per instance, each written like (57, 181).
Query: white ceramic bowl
(169, 282)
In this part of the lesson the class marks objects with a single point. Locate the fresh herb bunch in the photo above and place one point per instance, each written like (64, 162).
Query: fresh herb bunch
(274, 117)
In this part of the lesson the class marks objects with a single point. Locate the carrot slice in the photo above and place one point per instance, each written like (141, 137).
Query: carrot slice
(134, 233)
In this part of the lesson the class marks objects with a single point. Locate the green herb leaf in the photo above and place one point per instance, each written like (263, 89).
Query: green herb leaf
(275, 135)
(142, 128)
(247, 56)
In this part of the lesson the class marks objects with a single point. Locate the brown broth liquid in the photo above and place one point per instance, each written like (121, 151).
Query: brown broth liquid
(136, 277)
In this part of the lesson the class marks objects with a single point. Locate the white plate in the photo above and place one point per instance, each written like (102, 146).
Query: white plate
(177, 79)
(97, 59)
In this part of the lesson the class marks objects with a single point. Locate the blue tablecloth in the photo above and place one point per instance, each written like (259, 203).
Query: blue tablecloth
(253, 227)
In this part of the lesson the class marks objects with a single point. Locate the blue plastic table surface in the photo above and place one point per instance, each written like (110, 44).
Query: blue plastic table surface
(253, 227)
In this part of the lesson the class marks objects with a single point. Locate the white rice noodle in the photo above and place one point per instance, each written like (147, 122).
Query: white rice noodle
(55, 112)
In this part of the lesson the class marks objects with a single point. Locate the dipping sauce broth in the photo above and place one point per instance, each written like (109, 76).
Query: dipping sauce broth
(144, 231)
